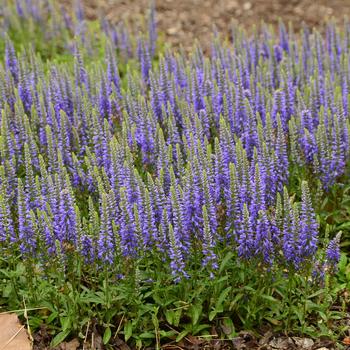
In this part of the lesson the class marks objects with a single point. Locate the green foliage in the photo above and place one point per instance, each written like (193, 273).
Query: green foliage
(149, 309)
(335, 212)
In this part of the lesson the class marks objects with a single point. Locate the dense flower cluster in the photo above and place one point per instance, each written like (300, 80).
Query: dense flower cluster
(181, 156)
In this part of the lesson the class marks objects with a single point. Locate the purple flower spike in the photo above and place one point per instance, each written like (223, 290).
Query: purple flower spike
(333, 252)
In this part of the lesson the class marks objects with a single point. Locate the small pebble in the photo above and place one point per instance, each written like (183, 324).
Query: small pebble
(247, 6)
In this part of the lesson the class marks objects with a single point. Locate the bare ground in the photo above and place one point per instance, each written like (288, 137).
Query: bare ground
(183, 21)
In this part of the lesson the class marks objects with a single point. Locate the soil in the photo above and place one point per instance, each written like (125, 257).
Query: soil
(184, 21)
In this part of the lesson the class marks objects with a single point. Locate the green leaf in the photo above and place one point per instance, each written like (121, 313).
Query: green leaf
(225, 261)
(35, 322)
(269, 298)
(343, 263)
(7, 290)
(323, 316)
(49, 306)
(195, 311)
(177, 317)
(92, 299)
(249, 288)
(52, 317)
(181, 335)
(147, 335)
(222, 297)
(297, 312)
(107, 335)
(127, 330)
(319, 292)
(228, 327)
(222, 279)
(157, 299)
(20, 269)
(138, 344)
(235, 300)
(5, 273)
(311, 305)
(200, 327)
(169, 315)
(273, 321)
(59, 338)
(155, 320)
(345, 225)
(66, 323)
(167, 334)
(212, 314)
